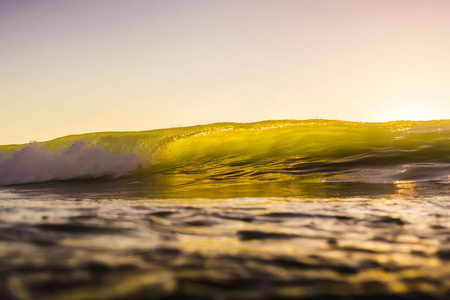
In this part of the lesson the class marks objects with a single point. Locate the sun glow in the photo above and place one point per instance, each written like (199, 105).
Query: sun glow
(411, 108)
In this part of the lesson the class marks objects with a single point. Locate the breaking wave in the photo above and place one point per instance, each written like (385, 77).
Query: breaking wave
(226, 154)
(32, 163)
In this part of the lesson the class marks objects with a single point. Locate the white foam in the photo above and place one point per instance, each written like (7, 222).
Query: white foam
(32, 163)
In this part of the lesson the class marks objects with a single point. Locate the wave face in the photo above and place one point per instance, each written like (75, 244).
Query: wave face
(233, 154)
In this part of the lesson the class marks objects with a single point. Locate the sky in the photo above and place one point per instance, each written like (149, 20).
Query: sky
(77, 66)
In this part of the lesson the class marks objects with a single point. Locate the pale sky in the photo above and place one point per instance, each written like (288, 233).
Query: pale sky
(76, 66)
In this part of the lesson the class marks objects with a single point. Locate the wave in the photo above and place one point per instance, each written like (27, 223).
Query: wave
(238, 153)
(32, 163)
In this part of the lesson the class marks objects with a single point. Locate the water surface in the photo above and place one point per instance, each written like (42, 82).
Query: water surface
(270, 210)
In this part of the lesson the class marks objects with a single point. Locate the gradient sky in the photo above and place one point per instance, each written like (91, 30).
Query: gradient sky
(104, 65)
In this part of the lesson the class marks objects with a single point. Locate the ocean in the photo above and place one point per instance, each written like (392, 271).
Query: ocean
(291, 209)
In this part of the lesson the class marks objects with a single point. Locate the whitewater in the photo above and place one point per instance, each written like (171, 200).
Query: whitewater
(287, 209)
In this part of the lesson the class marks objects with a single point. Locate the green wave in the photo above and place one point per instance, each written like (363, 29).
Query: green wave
(273, 150)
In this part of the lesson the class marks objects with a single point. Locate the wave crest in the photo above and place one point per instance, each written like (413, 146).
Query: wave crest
(33, 163)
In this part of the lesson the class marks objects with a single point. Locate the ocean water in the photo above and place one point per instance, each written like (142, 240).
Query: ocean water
(270, 210)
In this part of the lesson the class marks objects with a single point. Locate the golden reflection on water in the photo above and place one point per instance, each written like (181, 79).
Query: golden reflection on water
(405, 188)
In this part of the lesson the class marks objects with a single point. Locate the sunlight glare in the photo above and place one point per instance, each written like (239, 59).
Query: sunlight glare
(411, 108)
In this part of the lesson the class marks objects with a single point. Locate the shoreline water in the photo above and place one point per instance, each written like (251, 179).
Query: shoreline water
(252, 248)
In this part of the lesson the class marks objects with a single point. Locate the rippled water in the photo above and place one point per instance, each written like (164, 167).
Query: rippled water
(57, 243)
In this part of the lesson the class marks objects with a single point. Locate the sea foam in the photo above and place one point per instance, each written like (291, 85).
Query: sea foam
(32, 163)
